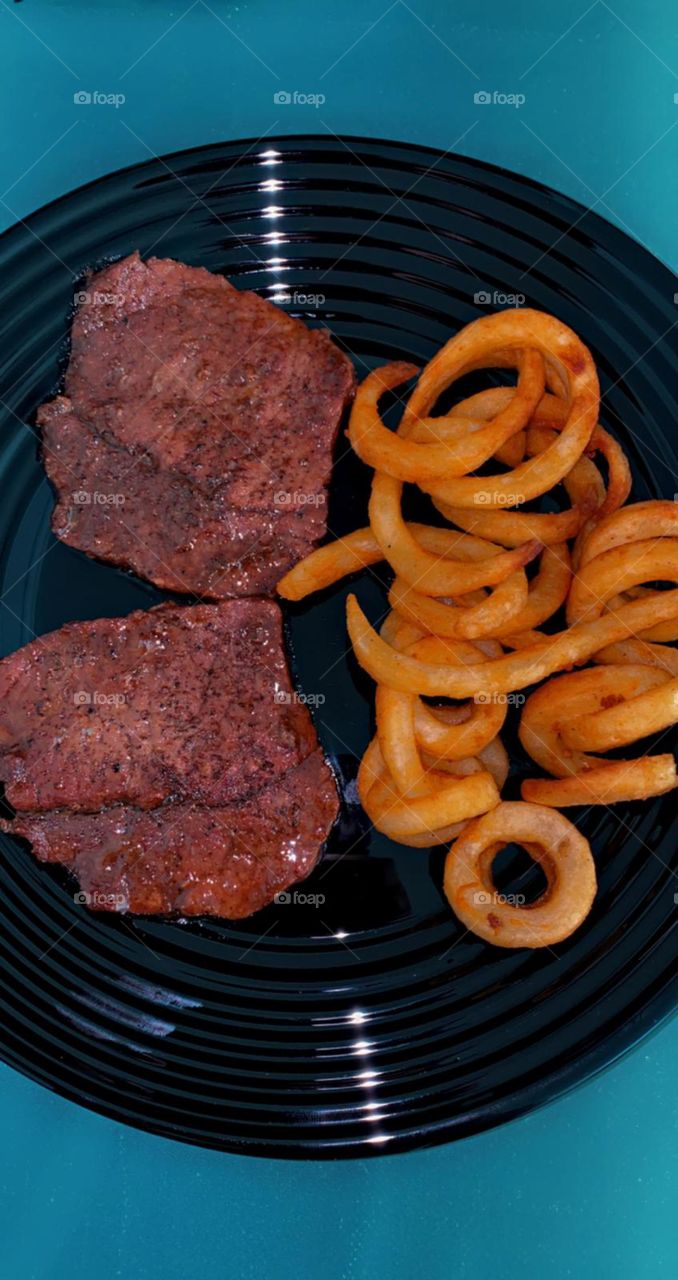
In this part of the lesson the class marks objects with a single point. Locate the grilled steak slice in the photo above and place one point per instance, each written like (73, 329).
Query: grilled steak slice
(165, 757)
(227, 861)
(160, 525)
(190, 703)
(193, 441)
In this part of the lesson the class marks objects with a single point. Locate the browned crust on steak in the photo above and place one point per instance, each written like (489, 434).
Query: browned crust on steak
(189, 860)
(166, 759)
(193, 442)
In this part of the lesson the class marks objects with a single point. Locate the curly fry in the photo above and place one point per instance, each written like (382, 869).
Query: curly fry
(598, 710)
(569, 361)
(395, 455)
(562, 853)
(513, 671)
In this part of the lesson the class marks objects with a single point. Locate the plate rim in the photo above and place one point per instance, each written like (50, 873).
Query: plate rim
(342, 139)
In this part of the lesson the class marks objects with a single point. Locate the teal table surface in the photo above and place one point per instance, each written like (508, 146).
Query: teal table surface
(586, 1187)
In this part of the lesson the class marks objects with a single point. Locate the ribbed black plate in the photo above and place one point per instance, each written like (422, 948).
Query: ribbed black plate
(370, 1022)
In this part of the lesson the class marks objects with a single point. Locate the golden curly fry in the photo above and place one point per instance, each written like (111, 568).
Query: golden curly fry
(654, 655)
(472, 616)
(466, 617)
(583, 483)
(570, 365)
(448, 801)
(598, 710)
(562, 853)
(361, 549)
(613, 571)
(513, 671)
(405, 723)
(495, 760)
(456, 565)
(654, 519)
(608, 784)
(330, 564)
(395, 455)
(623, 540)
(511, 608)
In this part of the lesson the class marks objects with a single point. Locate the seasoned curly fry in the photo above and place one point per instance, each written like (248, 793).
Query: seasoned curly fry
(591, 500)
(655, 655)
(486, 615)
(438, 572)
(513, 671)
(449, 800)
(396, 456)
(361, 549)
(562, 853)
(570, 363)
(598, 710)
(467, 612)
(510, 608)
(330, 563)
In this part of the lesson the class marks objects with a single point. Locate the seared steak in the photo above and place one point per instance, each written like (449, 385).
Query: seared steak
(193, 442)
(165, 758)
(195, 860)
(171, 701)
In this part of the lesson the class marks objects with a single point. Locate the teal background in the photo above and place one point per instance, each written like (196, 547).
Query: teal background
(586, 1187)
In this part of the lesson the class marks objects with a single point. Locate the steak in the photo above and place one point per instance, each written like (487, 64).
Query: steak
(166, 759)
(193, 442)
(226, 861)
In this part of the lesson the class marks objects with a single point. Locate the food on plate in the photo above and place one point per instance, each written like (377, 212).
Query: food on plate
(187, 859)
(569, 372)
(563, 854)
(592, 711)
(635, 545)
(511, 671)
(193, 441)
(466, 621)
(584, 485)
(165, 758)
(405, 459)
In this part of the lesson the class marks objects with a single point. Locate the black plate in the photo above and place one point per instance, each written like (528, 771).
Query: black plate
(370, 1022)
